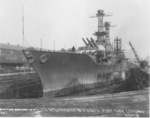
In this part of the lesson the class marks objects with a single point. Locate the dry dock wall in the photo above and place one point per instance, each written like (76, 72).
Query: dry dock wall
(20, 85)
(28, 85)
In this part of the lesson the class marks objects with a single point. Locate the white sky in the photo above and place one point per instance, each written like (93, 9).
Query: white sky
(68, 21)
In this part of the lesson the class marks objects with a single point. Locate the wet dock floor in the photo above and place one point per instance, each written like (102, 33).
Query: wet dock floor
(128, 104)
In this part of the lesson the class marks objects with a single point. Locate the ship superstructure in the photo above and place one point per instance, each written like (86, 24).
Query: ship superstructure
(102, 48)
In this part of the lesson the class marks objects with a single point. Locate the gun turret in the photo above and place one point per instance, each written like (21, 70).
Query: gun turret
(90, 43)
(85, 42)
(94, 43)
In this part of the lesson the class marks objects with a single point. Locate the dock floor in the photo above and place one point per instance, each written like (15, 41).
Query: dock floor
(125, 104)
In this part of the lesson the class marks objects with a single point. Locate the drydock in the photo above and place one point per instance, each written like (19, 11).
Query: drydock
(88, 65)
(88, 70)
(87, 73)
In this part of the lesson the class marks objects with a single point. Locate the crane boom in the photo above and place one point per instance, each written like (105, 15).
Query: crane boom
(137, 58)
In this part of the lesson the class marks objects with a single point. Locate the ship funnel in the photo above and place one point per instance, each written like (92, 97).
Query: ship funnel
(90, 43)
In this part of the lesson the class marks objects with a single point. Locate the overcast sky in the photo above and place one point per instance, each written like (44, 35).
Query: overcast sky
(67, 21)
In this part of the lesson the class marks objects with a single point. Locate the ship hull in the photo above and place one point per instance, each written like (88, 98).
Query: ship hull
(59, 69)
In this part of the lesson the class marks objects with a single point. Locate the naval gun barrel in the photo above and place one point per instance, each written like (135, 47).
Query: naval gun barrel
(85, 42)
(94, 43)
(90, 43)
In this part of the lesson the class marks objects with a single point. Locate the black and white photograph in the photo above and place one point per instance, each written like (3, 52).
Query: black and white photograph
(74, 58)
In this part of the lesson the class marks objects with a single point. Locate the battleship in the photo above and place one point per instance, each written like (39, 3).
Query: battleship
(97, 63)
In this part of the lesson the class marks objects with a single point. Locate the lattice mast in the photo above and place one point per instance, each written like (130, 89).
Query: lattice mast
(103, 29)
(100, 32)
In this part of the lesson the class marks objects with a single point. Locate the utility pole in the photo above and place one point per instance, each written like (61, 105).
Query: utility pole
(54, 45)
(41, 43)
(23, 26)
(65, 45)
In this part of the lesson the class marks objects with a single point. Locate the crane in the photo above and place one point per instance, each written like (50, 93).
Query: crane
(137, 57)
(142, 63)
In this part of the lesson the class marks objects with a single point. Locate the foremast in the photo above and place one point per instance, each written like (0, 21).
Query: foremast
(102, 33)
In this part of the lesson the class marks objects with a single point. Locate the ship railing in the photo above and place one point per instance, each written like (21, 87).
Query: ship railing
(38, 49)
